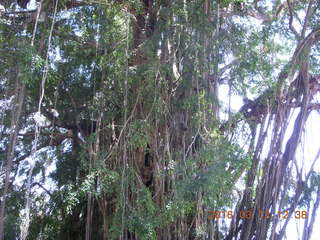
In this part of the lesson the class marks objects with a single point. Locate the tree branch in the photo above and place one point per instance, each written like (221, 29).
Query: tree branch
(292, 28)
(41, 186)
(307, 18)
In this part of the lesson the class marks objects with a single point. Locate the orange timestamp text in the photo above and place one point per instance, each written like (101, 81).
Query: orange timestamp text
(248, 214)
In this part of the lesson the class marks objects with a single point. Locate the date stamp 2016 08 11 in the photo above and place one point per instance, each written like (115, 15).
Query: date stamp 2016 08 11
(248, 214)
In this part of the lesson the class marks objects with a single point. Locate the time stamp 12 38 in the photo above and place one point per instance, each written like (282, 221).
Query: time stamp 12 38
(248, 214)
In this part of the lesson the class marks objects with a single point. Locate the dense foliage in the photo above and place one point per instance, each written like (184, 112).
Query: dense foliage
(139, 119)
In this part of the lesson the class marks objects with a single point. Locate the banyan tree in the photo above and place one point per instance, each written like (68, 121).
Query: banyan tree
(159, 119)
